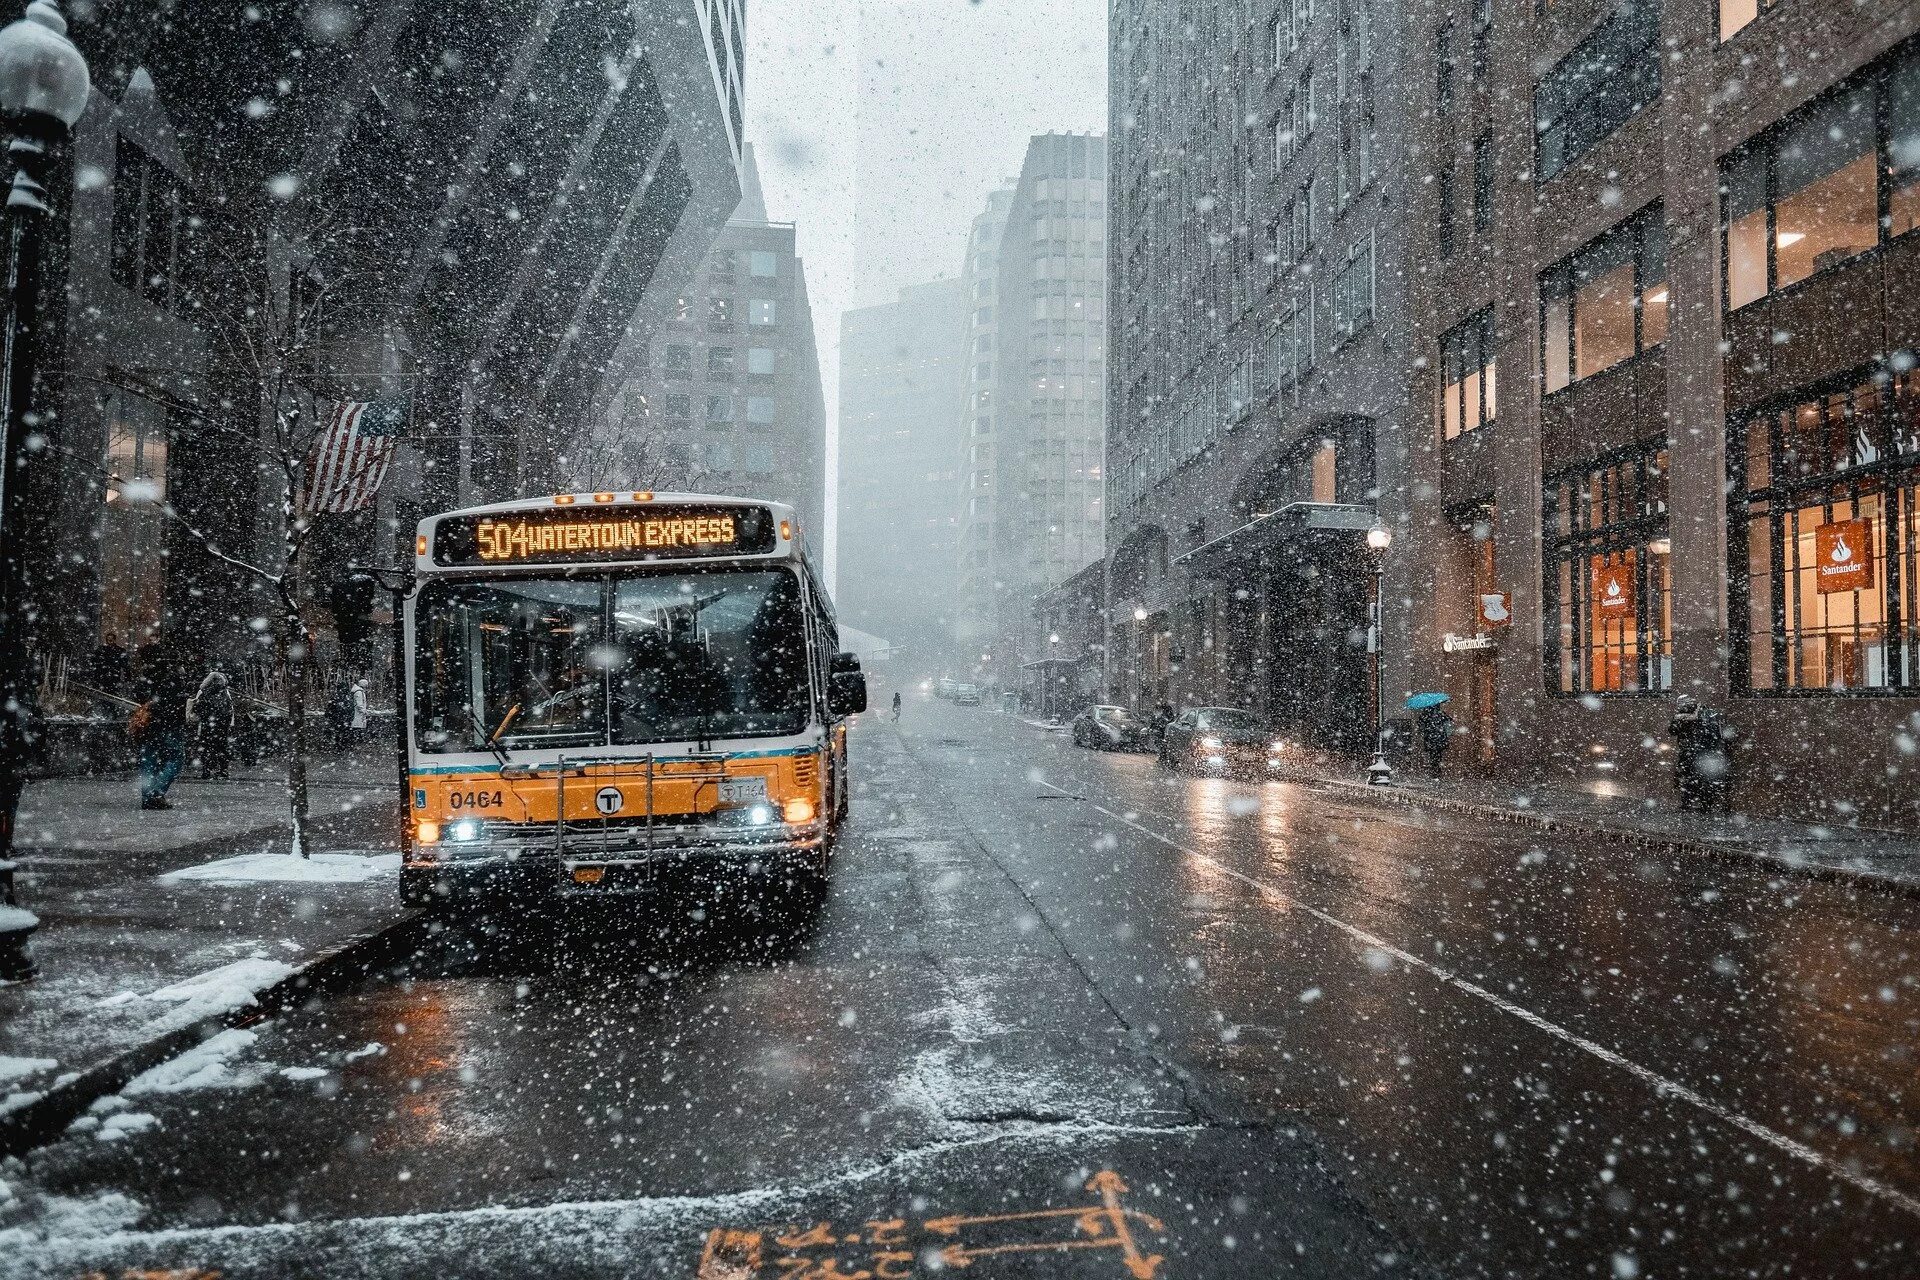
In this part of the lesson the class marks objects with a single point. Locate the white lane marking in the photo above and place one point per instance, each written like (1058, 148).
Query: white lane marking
(1661, 1084)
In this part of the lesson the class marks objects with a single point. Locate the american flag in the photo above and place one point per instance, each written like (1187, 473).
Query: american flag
(350, 458)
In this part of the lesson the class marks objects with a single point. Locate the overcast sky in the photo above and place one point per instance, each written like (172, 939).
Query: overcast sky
(881, 125)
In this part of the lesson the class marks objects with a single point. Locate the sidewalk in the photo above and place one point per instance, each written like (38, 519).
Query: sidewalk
(1886, 860)
(151, 921)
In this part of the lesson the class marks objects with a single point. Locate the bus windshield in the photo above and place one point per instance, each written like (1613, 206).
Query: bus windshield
(587, 661)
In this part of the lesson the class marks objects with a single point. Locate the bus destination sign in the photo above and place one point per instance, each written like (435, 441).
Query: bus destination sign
(594, 536)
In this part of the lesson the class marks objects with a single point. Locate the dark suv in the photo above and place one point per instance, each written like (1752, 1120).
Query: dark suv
(1218, 740)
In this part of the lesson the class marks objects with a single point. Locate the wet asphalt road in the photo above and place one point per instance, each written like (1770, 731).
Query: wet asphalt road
(1065, 1015)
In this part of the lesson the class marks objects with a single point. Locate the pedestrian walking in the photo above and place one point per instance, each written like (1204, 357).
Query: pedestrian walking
(360, 716)
(896, 706)
(213, 724)
(339, 715)
(1702, 756)
(1435, 728)
(159, 727)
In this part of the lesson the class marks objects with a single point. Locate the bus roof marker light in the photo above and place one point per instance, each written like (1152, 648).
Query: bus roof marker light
(645, 495)
(562, 499)
(603, 497)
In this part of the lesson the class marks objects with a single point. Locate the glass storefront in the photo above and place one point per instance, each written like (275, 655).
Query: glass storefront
(1823, 535)
(1607, 589)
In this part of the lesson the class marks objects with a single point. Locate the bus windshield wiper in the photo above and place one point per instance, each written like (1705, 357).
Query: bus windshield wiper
(491, 741)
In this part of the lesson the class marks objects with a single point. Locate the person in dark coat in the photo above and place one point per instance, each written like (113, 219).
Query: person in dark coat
(1435, 728)
(159, 726)
(213, 723)
(339, 713)
(1702, 756)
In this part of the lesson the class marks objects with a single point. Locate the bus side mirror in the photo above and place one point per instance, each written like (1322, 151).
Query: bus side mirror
(847, 693)
(844, 662)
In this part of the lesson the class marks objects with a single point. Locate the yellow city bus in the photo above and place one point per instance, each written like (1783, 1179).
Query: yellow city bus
(605, 687)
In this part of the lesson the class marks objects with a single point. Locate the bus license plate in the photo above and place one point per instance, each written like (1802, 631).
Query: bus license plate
(738, 793)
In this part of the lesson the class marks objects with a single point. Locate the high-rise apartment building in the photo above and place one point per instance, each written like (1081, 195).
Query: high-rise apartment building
(1665, 396)
(1258, 326)
(731, 401)
(900, 372)
(977, 600)
(1046, 474)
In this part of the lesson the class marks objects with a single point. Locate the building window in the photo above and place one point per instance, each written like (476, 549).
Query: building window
(1606, 593)
(1483, 35)
(1443, 70)
(758, 458)
(1469, 377)
(1606, 303)
(682, 309)
(1283, 136)
(761, 311)
(1736, 14)
(720, 363)
(679, 408)
(1807, 194)
(1599, 86)
(677, 361)
(1280, 36)
(720, 313)
(133, 532)
(763, 265)
(722, 266)
(1353, 291)
(760, 361)
(1291, 351)
(1483, 182)
(1443, 211)
(760, 410)
(149, 219)
(1824, 539)
(1299, 20)
(719, 408)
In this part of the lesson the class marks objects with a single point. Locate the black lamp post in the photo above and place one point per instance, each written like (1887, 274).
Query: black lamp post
(1379, 538)
(43, 89)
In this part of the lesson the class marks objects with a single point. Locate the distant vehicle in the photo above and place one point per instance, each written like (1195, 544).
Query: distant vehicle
(1219, 740)
(1110, 729)
(945, 687)
(966, 695)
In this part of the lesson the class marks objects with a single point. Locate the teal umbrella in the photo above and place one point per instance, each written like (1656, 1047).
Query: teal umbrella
(1421, 701)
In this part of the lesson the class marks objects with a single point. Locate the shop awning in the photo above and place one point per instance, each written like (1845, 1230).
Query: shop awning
(1295, 526)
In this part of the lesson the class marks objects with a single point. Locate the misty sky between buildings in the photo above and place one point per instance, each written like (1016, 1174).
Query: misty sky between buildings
(881, 125)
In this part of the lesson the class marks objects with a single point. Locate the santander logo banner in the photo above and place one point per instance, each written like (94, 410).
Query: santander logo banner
(1613, 590)
(1843, 555)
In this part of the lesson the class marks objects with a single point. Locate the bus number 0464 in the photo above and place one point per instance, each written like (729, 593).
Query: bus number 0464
(473, 799)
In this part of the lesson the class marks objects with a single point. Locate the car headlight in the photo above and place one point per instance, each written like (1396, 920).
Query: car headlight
(1212, 744)
(1277, 746)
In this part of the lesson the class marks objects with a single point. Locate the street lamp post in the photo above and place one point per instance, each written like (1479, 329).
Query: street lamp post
(1379, 538)
(43, 90)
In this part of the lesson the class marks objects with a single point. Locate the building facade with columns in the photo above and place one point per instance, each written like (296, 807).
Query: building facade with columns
(1259, 331)
(471, 212)
(1665, 395)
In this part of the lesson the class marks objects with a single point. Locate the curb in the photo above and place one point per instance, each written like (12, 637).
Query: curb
(46, 1118)
(1389, 795)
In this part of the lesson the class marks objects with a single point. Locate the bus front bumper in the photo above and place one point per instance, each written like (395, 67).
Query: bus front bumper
(453, 874)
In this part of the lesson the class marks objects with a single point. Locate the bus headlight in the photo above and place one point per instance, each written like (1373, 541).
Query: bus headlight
(465, 831)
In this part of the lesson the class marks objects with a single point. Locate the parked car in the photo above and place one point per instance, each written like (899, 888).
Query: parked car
(1219, 740)
(966, 695)
(1110, 729)
(945, 687)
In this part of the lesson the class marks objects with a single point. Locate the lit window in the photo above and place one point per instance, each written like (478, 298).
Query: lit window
(761, 311)
(1822, 564)
(763, 265)
(1606, 593)
(1606, 303)
(1736, 14)
(1469, 385)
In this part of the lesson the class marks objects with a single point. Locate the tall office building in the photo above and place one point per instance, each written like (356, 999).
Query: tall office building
(1046, 473)
(1665, 392)
(977, 601)
(900, 370)
(1259, 361)
(731, 401)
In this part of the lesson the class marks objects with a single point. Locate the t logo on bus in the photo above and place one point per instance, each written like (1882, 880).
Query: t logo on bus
(609, 801)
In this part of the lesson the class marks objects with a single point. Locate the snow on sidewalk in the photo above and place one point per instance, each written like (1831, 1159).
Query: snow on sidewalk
(284, 868)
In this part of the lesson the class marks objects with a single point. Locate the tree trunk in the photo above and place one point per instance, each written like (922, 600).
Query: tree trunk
(296, 649)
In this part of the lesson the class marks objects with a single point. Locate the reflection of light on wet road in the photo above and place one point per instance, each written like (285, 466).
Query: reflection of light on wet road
(1661, 1085)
